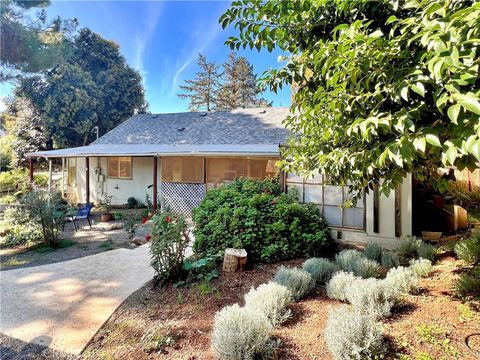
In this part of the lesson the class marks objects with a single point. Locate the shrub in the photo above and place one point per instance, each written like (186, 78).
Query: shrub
(421, 267)
(425, 251)
(337, 285)
(132, 202)
(407, 249)
(47, 211)
(169, 239)
(350, 334)
(241, 334)
(469, 284)
(345, 259)
(390, 259)
(272, 300)
(256, 216)
(402, 280)
(373, 251)
(366, 268)
(298, 281)
(469, 250)
(321, 270)
(371, 296)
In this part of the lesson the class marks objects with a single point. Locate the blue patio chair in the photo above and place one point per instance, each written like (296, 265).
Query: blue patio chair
(83, 212)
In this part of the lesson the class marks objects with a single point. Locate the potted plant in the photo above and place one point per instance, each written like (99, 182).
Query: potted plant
(106, 204)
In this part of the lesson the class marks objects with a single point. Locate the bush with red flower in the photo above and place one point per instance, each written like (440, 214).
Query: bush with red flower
(169, 239)
(257, 216)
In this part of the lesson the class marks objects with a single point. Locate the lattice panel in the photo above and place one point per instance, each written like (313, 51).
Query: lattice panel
(181, 197)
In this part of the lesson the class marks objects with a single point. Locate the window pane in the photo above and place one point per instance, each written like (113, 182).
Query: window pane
(298, 188)
(333, 195)
(353, 217)
(293, 178)
(313, 193)
(315, 179)
(113, 167)
(182, 169)
(226, 169)
(350, 195)
(333, 215)
(125, 168)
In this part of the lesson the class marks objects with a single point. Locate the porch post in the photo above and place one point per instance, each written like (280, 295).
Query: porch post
(30, 167)
(49, 176)
(87, 179)
(63, 177)
(155, 164)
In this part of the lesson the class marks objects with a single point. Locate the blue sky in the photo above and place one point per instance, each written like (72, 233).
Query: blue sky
(162, 40)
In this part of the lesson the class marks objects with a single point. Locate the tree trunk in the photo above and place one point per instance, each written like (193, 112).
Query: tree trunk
(234, 260)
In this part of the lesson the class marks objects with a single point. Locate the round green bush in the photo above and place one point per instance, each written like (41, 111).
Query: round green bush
(257, 216)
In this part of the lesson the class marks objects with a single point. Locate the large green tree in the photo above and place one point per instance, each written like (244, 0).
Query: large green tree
(95, 87)
(380, 88)
(239, 86)
(29, 42)
(202, 90)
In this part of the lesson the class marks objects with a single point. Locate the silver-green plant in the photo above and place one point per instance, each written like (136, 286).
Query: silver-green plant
(320, 269)
(241, 334)
(298, 281)
(402, 280)
(346, 259)
(390, 259)
(272, 300)
(338, 283)
(421, 267)
(371, 296)
(373, 251)
(366, 268)
(351, 334)
(426, 251)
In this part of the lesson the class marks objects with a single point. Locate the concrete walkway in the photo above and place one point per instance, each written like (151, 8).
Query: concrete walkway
(62, 305)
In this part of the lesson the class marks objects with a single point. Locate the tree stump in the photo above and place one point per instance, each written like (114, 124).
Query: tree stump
(234, 260)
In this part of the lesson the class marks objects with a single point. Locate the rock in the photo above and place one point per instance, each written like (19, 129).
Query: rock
(139, 241)
(116, 226)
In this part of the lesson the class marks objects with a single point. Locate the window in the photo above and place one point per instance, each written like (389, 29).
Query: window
(182, 169)
(72, 172)
(224, 170)
(328, 199)
(120, 167)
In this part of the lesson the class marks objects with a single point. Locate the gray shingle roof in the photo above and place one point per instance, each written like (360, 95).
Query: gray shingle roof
(240, 126)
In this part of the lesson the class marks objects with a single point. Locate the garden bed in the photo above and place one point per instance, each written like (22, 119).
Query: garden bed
(178, 321)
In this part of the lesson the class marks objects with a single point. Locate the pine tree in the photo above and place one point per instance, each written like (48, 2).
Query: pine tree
(239, 89)
(202, 90)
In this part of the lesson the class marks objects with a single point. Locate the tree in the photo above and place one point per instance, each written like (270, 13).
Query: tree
(382, 88)
(239, 88)
(95, 87)
(202, 90)
(30, 43)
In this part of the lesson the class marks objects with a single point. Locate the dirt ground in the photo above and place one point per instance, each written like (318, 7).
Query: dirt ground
(429, 325)
(85, 242)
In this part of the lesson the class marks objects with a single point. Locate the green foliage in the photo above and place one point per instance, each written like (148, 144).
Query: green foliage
(6, 152)
(132, 202)
(426, 251)
(469, 249)
(130, 224)
(382, 89)
(241, 334)
(468, 285)
(373, 251)
(298, 281)
(93, 87)
(17, 229)
(256, 216)
(345, 259)
(321, 270)
(414, 248)
(169, 239)
(106, 202)
(200, 269)
(351, 334)
(47, 211)
(390, 259)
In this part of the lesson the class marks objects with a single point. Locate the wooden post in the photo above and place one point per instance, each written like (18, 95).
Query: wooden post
(30, 167)
(234, 260)
(49, 176)
(63, 177)
(87, 179)
(155, 189)
(375, 209)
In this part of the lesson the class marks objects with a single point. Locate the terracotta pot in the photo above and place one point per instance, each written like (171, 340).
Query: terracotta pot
(106, 217)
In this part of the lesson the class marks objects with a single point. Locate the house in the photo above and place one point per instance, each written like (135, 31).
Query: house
(178, 157)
